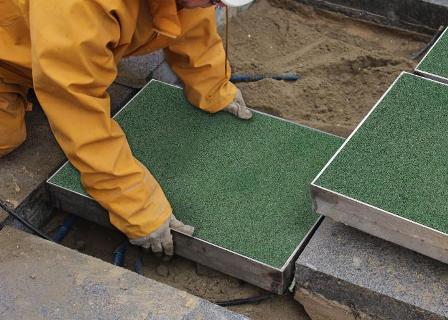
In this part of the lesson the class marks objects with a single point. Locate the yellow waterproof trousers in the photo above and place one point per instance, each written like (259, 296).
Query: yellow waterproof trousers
(68, 52)
(12, 117)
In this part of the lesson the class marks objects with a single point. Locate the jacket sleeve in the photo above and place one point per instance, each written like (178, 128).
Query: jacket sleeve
(73, 64)
(198, 58)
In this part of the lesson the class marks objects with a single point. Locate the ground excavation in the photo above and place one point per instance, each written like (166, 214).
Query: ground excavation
(345, 66)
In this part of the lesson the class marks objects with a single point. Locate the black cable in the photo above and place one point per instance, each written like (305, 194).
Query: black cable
(12, 212)
(237, 302)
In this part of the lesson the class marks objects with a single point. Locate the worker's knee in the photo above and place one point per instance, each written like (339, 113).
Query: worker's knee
(9, 145)
(12, 122)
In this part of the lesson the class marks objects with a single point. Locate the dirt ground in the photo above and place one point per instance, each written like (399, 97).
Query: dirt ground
(345, 67)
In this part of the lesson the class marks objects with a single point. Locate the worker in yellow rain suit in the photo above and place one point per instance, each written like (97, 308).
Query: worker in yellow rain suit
(68, 51)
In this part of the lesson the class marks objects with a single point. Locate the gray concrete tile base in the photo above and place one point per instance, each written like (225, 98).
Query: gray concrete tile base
(43, 280)
(357, 276)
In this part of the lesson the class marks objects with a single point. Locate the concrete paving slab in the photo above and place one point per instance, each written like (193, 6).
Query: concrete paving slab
(43, 280)
(135, 71)
(352, 275)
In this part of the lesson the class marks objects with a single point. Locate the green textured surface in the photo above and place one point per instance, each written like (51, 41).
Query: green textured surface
(398, 159)
(436, 62)
(244, 185)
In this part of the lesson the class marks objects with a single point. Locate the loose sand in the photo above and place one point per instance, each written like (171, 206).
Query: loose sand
(345, 65)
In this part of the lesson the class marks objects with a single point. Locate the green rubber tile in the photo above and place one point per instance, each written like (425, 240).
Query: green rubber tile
(398, 158)
(435, 63)
(244, 185)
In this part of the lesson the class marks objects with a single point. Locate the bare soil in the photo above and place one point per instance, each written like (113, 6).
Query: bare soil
(345, 67)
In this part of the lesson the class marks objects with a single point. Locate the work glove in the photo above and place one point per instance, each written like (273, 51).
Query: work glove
(161, 241)
(238, 107)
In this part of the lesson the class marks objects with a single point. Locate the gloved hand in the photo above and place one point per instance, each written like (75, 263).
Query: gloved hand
(161, 240)
(238, 107)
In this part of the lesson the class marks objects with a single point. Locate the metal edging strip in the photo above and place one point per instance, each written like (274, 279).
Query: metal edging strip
(379, 209)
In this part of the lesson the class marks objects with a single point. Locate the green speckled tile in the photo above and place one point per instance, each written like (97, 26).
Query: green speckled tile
(244, 185)
(435, 63)
(398, 159)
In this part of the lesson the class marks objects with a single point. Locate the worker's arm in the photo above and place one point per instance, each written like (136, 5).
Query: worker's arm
(73, 64)
(198, 58)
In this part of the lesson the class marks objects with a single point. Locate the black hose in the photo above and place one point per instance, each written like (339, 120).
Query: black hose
(25, 222)
(119, 254)
(64, 228)
(251, 300)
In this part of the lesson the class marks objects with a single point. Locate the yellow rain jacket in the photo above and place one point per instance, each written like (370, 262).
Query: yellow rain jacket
(68, 51)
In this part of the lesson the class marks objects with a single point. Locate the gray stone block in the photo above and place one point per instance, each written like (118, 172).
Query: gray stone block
(136, 71)
(363, 275)
(43, 280)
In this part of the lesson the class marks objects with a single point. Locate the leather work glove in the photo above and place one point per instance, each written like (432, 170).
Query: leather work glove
(238, 107)
(161, 240)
